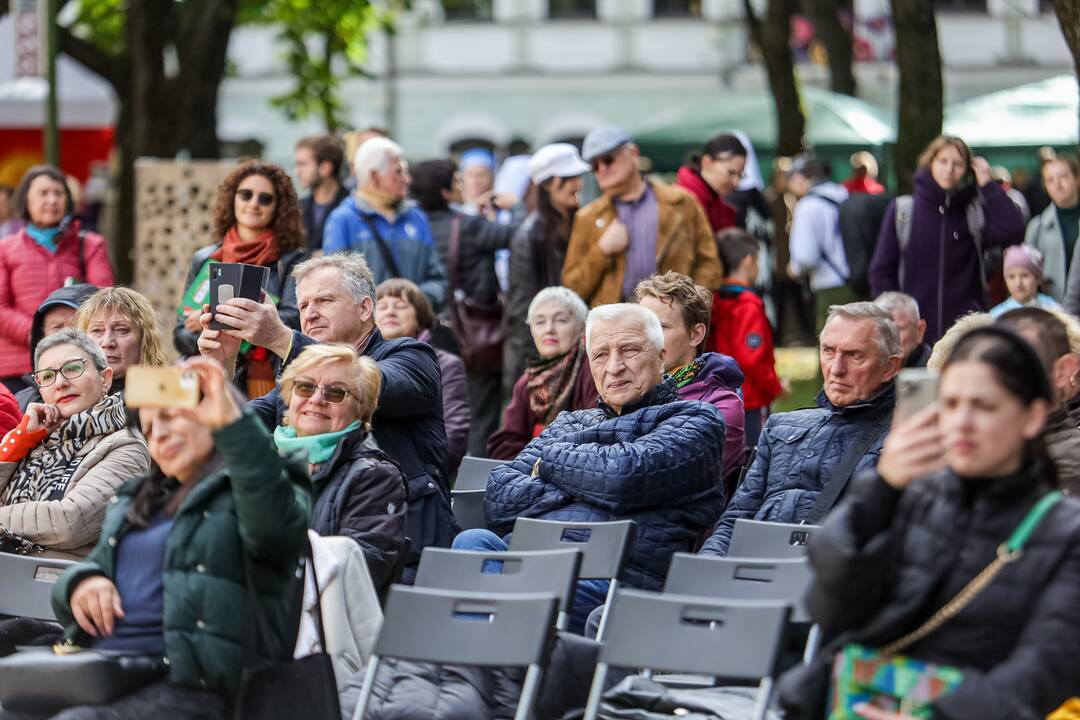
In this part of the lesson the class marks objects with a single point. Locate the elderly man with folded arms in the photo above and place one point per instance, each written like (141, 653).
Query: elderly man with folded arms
(642, 455)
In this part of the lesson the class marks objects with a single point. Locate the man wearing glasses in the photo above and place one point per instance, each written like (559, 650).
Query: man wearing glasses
(638, 227)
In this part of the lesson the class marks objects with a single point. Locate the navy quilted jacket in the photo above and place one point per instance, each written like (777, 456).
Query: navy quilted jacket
(658, 464)
(797, 453)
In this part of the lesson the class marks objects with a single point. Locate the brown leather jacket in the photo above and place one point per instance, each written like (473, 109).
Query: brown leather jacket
(684, 243)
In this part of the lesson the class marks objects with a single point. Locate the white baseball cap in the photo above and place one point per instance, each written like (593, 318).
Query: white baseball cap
(556, 160)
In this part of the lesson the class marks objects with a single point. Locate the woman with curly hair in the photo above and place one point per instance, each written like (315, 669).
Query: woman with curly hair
(257, 221)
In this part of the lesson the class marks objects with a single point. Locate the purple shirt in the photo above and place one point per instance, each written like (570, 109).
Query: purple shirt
(641, 219)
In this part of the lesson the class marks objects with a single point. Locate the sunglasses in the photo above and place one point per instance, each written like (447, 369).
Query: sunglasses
(603, 161)
(264, 199)
(70, 370)
(331, 393)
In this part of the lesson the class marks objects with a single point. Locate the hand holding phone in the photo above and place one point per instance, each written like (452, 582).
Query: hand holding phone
(235, 280)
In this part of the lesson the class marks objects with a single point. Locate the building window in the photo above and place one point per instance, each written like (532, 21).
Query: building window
(467, 9)
(677, 8)
(571, 9)
(961, 5)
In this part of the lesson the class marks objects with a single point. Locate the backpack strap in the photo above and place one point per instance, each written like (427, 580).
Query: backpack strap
(976, 223)
(384, 249)
(905, 205)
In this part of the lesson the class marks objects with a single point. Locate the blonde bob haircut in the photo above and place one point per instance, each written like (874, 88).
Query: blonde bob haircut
(364, 382)
(139, 312)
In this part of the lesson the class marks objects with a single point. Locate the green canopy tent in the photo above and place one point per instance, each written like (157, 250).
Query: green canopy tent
(837, 125)
(1009, 125)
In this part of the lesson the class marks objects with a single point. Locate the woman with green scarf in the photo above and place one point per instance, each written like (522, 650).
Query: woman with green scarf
(331, 392)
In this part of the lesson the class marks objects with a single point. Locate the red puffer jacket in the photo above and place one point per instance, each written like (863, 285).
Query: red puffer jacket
(29, 272)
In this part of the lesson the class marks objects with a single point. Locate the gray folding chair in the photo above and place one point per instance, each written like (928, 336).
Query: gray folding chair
(741, 579)
(28, 584)
(481, 571)
(756, 539)
(468, 507)
(605, 547)
(473, 472)
(735, 641)
(439, 626)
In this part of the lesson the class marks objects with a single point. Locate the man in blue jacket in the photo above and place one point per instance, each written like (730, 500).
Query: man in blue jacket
(643, 455)
(336, 298)
(391, 232)
(802, 451)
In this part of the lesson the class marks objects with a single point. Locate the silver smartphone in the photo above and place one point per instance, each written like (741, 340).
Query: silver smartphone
(915, 389)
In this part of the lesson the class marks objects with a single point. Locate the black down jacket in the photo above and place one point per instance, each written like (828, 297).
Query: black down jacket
(360, 493)
(886, 560)
(659, 464)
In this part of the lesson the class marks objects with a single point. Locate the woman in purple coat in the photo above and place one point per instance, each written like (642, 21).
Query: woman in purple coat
(402, 310)
(931, 241)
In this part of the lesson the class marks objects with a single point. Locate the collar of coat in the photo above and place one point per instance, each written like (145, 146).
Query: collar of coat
(660, 394)
(883, 401)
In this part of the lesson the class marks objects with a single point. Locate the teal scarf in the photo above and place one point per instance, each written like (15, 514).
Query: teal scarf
(45, 237)
(318, 448)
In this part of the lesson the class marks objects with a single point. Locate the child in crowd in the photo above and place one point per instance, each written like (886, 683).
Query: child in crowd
(1023, 270)
(741, 329)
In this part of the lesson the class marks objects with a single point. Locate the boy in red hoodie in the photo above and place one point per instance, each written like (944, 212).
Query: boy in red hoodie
(739, 327)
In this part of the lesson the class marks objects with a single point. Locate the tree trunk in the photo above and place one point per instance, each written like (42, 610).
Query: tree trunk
(772, 37)
(837, 41)
(1068, 12)
(160, 113)
(921, 103)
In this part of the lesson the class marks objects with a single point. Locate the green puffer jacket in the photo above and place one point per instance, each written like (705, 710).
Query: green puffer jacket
(258, 503)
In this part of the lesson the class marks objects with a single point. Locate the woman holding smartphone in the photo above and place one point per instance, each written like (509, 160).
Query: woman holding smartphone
(167, 577)
(961, 512)
(257, 221)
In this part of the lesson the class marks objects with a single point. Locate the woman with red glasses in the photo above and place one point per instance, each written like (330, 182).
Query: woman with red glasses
(359, 492)
(257, 221)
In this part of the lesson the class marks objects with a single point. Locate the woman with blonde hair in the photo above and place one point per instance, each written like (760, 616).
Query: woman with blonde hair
(331, 392)
(125, 325)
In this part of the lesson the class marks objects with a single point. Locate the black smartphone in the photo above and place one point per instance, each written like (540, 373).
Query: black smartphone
(233, 280)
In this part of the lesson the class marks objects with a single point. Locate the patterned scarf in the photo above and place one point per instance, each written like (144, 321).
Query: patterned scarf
(263, 250)
(686, 374)
(45, 472)
(551, 381)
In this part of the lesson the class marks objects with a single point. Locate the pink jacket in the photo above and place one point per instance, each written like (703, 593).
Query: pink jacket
(28, 273)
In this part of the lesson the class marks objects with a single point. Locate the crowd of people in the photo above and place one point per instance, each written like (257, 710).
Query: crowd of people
(620, 365)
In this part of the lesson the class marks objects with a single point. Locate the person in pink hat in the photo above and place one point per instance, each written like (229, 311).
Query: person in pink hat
(1023, 270)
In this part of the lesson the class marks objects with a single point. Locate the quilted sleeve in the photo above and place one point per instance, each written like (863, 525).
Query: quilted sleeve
(745, 502)
(657, 456)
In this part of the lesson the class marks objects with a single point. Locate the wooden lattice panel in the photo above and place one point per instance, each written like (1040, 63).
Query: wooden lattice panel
(174, 205)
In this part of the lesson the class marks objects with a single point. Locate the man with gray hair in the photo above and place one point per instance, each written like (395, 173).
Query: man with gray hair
(378, 221)
(336, 298)
(642, 455)
(806, 457)
(905, 313)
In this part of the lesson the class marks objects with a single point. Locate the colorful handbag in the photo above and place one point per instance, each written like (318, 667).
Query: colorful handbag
(889, 681)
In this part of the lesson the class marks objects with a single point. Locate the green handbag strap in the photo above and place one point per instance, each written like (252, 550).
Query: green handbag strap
(1007, 552)
(1031, 521)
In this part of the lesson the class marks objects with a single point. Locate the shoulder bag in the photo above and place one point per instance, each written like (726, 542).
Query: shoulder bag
(284, 689)
(478, 327)
(897, 683)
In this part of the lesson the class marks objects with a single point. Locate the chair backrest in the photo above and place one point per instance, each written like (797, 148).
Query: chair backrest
(605, 546)
(441, 626)
(552, 571)
(756, 539)
(468, 507)
(27, 582)
(741, 579)
(473, 472)
(738, 641)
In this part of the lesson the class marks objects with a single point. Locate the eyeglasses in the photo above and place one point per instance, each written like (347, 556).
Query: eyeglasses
(264, 199)
(331, 393)
(70, 370)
